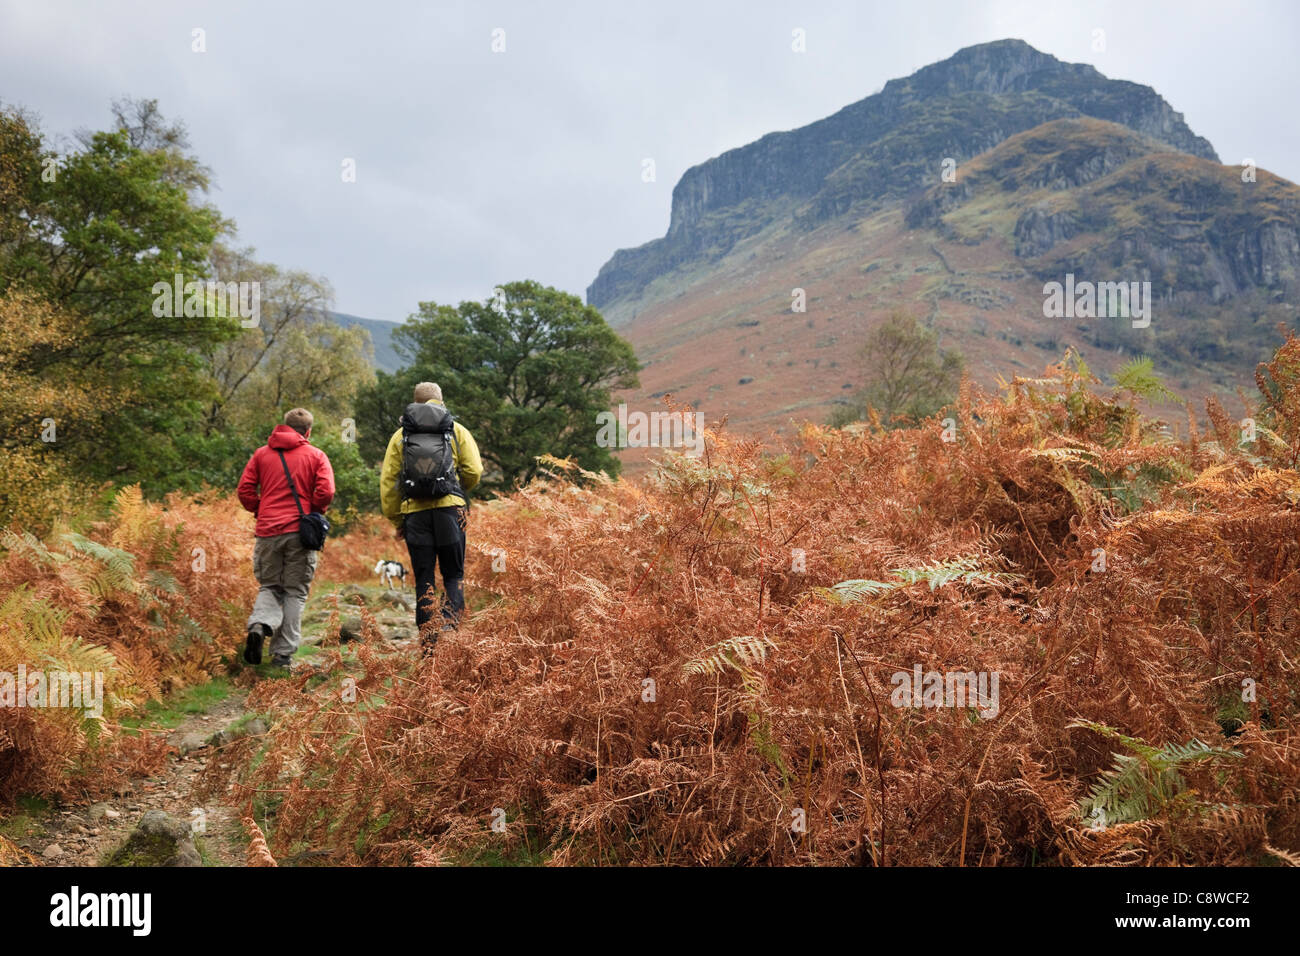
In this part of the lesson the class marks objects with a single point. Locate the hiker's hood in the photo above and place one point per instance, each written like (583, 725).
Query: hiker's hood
(283, 438)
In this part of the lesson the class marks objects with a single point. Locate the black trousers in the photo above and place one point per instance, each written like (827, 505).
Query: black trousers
(435, 537)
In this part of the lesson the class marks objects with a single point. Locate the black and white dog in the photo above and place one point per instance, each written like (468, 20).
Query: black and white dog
(390, 571)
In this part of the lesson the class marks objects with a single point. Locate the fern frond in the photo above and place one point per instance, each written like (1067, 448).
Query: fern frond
(117, 567)
(1144, 782)
(1290, 859)
(32, 618)
(1139, 377)
(855, 590)
(959, 570)
(736, 653)
(81, 657)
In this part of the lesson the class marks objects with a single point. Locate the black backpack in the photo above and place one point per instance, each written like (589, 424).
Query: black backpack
(428, 453)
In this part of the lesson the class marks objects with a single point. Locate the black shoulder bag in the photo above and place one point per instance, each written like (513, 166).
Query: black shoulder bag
(312, 527)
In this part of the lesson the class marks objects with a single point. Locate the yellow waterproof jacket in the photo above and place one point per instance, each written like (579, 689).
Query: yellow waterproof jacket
(469, 469)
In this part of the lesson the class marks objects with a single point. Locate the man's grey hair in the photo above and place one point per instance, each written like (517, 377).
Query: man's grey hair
(428, 390)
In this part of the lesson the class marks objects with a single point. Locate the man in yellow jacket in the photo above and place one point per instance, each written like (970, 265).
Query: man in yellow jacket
(433, 525)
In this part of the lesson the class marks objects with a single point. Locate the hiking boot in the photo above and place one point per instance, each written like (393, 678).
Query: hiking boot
(284, 661)
(429, 638)
(257, 633)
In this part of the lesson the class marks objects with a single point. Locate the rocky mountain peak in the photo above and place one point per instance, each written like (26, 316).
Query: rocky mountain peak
(881, 149)
(1001, 66)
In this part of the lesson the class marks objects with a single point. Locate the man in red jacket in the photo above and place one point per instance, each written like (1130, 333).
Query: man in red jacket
(284, 568)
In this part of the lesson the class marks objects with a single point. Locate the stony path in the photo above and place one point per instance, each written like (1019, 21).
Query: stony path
(84, 836)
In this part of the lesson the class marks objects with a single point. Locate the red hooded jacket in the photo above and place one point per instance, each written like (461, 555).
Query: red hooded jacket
(264, 491)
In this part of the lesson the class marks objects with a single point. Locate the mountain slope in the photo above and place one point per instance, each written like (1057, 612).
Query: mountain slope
(883, 146)
(1087, 196)
(1058, 170)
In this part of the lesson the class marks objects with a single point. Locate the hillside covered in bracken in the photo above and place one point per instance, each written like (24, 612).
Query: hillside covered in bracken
(703, 667)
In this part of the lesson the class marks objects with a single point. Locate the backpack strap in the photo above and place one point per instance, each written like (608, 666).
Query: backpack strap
(455, 453)
(291, 484)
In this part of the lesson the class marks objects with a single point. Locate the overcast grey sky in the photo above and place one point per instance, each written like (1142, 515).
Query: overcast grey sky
(476, 167)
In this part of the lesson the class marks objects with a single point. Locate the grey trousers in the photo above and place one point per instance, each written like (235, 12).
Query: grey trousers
(284, 569)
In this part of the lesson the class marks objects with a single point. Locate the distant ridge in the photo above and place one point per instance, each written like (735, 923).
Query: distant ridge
(381, 335)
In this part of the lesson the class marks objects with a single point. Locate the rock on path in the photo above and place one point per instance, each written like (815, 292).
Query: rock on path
(154, 812)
